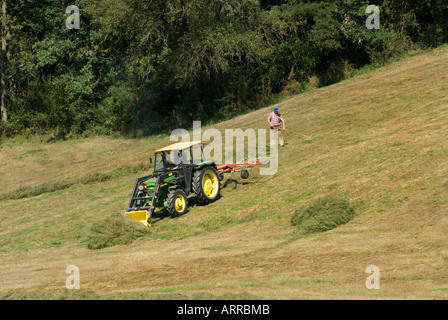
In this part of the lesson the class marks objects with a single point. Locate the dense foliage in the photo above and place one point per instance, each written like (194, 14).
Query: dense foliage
(140, 66)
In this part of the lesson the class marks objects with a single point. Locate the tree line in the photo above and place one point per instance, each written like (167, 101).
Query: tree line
(144, 67)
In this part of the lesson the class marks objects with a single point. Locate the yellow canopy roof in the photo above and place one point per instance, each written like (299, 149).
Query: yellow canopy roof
(178, 146)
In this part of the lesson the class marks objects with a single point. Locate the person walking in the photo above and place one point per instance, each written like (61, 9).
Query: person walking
(277, 123)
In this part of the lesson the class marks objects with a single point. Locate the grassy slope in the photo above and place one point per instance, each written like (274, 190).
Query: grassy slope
(378, 139)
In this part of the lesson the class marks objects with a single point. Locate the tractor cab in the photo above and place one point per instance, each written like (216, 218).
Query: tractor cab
(178, 155)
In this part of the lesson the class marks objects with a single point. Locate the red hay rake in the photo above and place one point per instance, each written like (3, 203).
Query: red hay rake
(242, 167)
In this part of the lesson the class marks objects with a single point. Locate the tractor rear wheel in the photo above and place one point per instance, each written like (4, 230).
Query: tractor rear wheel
(176, 202)
(206, 185)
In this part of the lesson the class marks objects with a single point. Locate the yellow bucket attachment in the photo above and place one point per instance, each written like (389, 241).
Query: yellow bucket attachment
(141, 216)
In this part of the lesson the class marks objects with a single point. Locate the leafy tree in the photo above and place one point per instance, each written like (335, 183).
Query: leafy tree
(147, 66)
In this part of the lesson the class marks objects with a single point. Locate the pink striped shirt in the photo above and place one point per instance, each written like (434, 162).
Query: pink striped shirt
(275, 120)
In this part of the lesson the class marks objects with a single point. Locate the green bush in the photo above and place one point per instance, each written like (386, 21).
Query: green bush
(322, 214)
(115, 230)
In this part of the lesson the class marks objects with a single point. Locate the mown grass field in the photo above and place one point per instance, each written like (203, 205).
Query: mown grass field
(378, 140)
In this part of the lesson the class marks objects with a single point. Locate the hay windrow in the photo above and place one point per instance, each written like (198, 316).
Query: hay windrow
(33, 191)
(322, 214)
(115, 230)
(87, 178)
(86, 294)
(61, 294)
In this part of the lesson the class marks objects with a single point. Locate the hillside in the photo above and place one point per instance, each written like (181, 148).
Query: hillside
(378, 139)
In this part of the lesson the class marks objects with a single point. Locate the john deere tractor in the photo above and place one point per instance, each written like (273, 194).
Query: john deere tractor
(177, 174)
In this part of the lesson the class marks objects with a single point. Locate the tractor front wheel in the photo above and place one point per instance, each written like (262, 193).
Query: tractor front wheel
(206, 185)
(176, 202)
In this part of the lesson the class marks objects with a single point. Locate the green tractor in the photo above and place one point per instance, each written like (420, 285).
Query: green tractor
(175, 177)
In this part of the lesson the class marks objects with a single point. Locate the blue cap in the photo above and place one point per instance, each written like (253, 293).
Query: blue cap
(276, 109)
